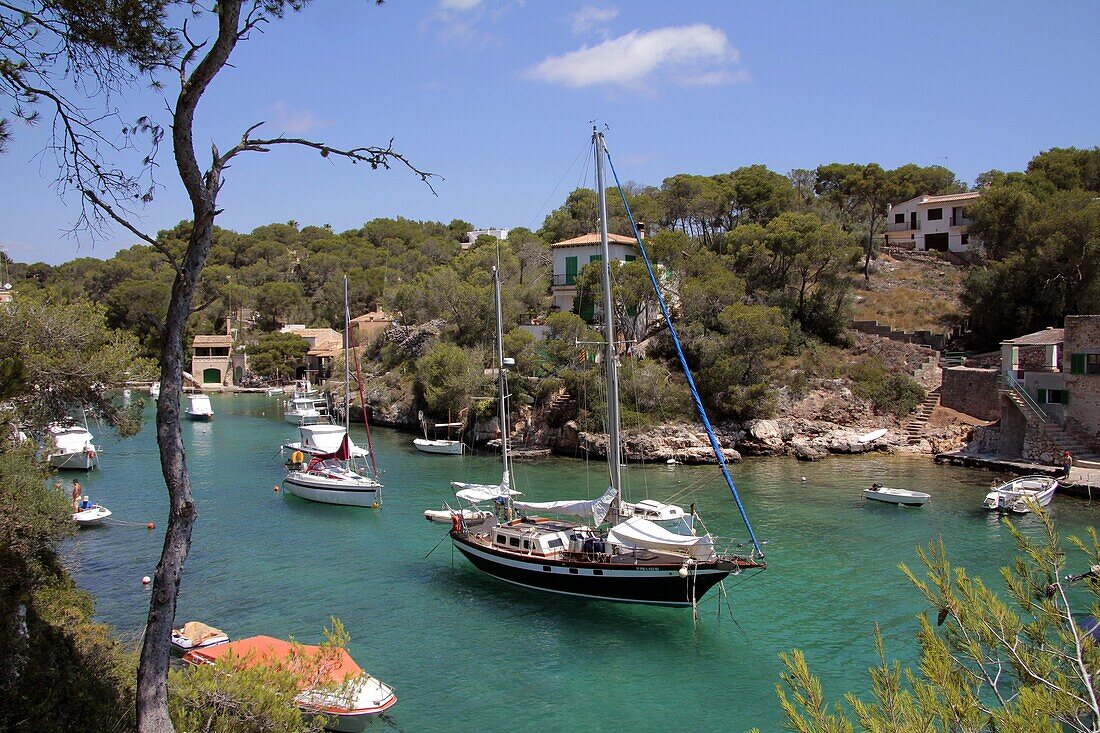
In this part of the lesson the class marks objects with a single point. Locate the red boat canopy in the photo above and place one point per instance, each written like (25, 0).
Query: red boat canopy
(336, 666)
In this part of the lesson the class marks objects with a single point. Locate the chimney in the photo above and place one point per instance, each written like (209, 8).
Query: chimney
(641, 230)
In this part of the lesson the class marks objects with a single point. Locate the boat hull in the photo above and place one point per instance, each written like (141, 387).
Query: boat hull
(655, 585)
(912, 498)
(345, 496)
(442, 447)
(200, 416)
(78, 461)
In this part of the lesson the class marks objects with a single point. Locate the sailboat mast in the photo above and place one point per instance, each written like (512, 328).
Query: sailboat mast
(610, 365)
(502, 384)
(347, 366)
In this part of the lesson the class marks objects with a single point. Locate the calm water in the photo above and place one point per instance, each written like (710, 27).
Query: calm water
(462, 649)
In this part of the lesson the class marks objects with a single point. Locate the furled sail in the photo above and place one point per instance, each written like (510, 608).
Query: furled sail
(588, 509)
(484, 492)
(639, 533)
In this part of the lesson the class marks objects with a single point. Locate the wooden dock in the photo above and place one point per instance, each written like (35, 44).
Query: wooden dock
(1081, 482)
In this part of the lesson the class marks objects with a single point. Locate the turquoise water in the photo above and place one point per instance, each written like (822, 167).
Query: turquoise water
(464, 650)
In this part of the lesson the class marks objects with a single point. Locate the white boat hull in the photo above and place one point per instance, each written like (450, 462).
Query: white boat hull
(91, 517)
(445, 516)
(1018, 495)
(200, 416)
(78, 461)
(346, 492)
(897, 496)
(443, 447)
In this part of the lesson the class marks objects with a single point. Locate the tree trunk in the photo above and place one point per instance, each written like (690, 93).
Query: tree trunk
(152, 677)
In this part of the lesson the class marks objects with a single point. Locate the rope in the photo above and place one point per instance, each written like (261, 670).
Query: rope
(683, 362)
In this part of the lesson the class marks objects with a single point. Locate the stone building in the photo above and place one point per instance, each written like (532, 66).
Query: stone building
(213, 361)
(325, 344)
(364, 327)
(1081, 374)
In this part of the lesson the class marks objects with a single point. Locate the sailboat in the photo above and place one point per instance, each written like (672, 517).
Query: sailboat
(634, 559)
(444, 446)
(333, 477)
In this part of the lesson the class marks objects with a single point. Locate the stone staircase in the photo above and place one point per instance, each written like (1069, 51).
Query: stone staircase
(1063, 439)
(914, 424)
(560, 406)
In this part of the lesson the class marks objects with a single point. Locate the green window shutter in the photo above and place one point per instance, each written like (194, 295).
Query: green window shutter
(1065, 397)
(570, 270)
(1077, 364)
(1041, 396)
(595, 258)
(630, 258)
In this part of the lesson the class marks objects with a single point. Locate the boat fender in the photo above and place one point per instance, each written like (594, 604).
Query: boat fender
(90, 451)
(456, 523)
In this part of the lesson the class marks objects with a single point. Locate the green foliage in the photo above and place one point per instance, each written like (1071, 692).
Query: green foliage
(898, 394)
(446, 379)
(238, 696)
(1041, 232)
(989, 664)
(62, 357)
(275, 355)
(59, 670)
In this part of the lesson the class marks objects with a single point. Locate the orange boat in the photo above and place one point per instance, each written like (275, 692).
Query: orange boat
(350, 696)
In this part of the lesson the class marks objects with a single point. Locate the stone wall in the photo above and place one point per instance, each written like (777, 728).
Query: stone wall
(972, 391)
(1083, 411)
(1013, 429)
(935, 341)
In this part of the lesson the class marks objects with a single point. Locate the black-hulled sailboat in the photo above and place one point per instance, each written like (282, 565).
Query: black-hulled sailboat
(635, 558)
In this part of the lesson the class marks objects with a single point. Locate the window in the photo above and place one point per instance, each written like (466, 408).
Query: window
(1054, 397)
(899, 218)
(630, 258)
(527, 544)
(965, 239)
(597, 571)
(595, 258)
(573, 571)
(1092, 363)
(513, 541)
(935, 214)
(556, 542)
(501, 539)
(546, 568)
(570, 270)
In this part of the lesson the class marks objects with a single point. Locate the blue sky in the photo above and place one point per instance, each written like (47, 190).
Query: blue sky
(496, 96)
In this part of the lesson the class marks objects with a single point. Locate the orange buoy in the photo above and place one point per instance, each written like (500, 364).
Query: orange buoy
(150, 525)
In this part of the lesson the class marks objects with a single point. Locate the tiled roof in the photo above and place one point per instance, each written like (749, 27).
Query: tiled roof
(212, 341)
(593, 238)
(374, 317)
(925, 199)
(1045, 337)
(317, 333)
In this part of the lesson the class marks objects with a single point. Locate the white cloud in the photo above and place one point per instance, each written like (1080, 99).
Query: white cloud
(459, 5)
(590, 16)
(694, 54)
(295, 120)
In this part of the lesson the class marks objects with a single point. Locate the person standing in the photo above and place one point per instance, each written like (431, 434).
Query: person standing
(1067, 463)
(76, 495)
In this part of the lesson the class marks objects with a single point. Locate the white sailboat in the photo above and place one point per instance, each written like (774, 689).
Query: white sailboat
(442, 446)
(334, 477)
(634, 560)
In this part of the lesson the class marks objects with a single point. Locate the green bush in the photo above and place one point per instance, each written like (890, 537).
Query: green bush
(898, 394)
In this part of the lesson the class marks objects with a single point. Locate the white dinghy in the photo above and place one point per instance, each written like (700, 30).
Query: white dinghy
(1016, 495)
(905, 497)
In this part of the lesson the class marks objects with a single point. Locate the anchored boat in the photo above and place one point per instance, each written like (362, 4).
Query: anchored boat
(1019, 494)
(634, 559)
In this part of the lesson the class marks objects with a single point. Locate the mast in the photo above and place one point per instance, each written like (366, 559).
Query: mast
(610, 366)
(347, 366)
(502, 383)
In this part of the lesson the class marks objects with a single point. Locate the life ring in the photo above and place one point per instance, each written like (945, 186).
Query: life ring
(456, 523)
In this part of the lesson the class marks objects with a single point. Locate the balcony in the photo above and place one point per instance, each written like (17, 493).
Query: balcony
(961, 221)
(904, 226)
(563, 280)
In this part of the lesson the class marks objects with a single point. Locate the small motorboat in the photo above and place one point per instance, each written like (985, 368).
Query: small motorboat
(90, 514)
(878, 492)
(349, 697)
(197, 635)
(198, 407)
(154, 391)
(1013, 496)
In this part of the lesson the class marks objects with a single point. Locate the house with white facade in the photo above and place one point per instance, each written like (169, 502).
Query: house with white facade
(931, 223)
(472, 236)
(572, 255)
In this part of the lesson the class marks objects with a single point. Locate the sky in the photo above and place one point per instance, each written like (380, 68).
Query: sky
(498, 98)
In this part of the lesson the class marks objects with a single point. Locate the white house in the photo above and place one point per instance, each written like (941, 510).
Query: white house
(472, 236)
(931, 223)
(573, 254)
